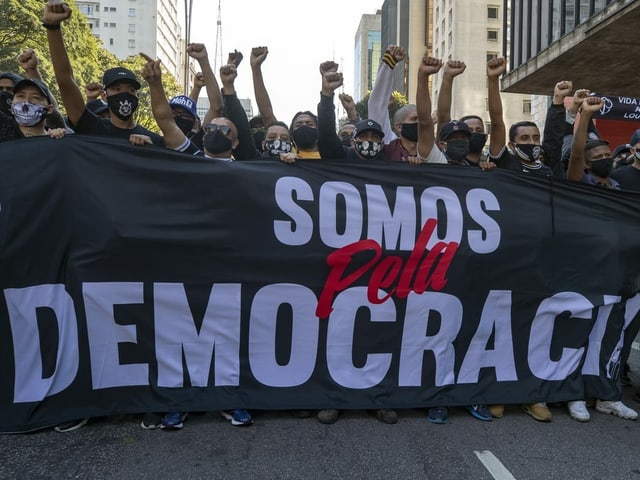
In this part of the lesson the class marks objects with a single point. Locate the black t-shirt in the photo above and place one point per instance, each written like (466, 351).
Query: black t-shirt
(9, 129)
(91, 124)
(628, 177)
(509, 161)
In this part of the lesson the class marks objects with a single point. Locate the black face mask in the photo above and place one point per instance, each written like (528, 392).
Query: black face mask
(216, 142)
(457, 150)
(528, 152)
(477, 142)
(410, 131)
(305, 136)
(601, 168)
(275, 147)
(5, 102)
(123, 105)
(185, 125)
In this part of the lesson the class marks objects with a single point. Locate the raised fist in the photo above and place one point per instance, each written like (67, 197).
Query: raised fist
(496, 67)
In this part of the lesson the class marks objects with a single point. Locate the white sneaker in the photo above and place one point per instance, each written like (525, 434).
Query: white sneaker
(618, 409)
(578, 411)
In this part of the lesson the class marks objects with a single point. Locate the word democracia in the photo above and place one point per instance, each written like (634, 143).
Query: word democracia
(207, 351)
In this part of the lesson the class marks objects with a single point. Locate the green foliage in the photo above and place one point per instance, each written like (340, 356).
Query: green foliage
(397, 101)
(21, 27)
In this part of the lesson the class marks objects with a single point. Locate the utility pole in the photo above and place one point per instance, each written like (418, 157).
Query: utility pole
(188, 5)
(217, 59)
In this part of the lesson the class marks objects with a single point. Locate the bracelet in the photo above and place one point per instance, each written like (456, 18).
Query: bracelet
(389, 59)
(50, 26)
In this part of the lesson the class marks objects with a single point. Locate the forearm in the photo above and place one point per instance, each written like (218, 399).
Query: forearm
(498, 130)
(378, 105)
(444, 100)
(212, 87)
(262, 98)
(329, 144)
(576, 159)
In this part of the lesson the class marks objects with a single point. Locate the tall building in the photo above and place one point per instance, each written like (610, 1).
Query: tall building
(127, 27)
(473, 31)
(367, 54)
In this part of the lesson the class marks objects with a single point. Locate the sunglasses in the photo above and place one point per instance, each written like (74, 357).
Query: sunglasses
(212, 127)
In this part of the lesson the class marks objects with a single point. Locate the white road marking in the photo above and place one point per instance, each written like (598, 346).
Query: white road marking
(635, 346)
(495, 466)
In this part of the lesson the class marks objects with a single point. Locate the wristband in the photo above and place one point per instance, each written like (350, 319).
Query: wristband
(389, 60)
(50, 26)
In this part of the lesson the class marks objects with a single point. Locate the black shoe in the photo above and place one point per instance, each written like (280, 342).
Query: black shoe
(71, 425)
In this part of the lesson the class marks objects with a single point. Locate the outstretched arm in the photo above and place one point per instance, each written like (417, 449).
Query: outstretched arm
(495, 68)
(378, 105)
(173, 136)
(199, 52)
(258, 56)
(426, 135)
(54, 14)
(329, 144)
(576, 159)
(451, 70)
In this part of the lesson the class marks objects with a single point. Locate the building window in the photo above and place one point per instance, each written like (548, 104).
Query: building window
(112, 25)
(105, 24)
(106, 9)
(491, 56)
(132, 12)
(132, 43)
(86, 9)
(492, 35)
(492, 11)
(112, 9)
(526, 106)
(90, 26)
(487, 127)
(132, 28)
(111, 41)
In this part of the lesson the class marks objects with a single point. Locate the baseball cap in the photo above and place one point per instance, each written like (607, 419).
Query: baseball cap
(452, 127)
(34, 82)
(635, 138)
(184, 102)
(14, 77)
(624, 148)
(367, 125)
(595, 142)
(97, 106)
(119, 74)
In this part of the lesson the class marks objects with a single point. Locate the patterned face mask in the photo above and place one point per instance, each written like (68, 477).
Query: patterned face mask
(367, 149)
(27, 114)
(275, 147)
(123, 105)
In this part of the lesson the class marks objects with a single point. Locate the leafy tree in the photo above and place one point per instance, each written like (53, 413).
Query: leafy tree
(21, 27)
(397, 101)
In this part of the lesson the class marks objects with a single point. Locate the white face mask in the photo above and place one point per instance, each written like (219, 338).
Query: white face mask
(637, 155)
(28, 114)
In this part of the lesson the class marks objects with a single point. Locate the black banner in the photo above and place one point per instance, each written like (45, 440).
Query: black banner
(137, 279)
(616, 107)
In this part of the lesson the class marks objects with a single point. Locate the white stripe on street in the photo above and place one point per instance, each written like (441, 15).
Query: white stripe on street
(635, 346)
(495, 466)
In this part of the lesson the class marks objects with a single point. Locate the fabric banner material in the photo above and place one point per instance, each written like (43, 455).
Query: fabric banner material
(616, 107)
(137, 279)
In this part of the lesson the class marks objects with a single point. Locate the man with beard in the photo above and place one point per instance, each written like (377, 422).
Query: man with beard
(120, 85)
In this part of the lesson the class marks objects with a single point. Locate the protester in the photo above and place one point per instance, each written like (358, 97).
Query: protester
(629, 176)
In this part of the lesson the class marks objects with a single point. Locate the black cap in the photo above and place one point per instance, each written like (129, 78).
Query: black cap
(453, 127)
(119, 74)
(34, 82)
(14, 77)
(97, 106)
(367, 125)
(621, 149)
(635, 138)
(596, 142)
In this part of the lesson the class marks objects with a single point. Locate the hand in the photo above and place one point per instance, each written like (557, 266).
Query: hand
(197, 51)
(198, 80)
(578, 97)
(235, 58)
(328, 66)
(453, 68)
(429, 65)
(93, 90)
(397, 52)
(28, 60)
(563, 89)
(496, 67)
(331, 81)
(258, 56)
(151, 72)
(484, 166)
(412, 160)
(57, 133)
(55, 12)
(289, 157)
(592, 104)
(347, 101)
(139, 140)
(228, 74)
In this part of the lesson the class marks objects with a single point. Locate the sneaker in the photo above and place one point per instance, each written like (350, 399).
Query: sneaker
(151, 421)
(438, 415)
(173, 421)
(578, 411)
(481, 412)
(539, 411)
(71, 425)
(385, 415)
(618, 409)
(497, 411)
(328, 416)
(238, 417)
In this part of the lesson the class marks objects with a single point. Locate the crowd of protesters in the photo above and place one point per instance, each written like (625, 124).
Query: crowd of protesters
(570, 147)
